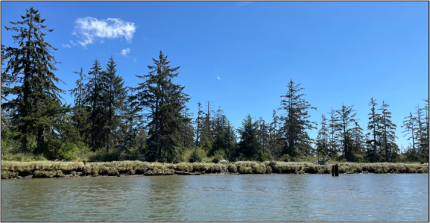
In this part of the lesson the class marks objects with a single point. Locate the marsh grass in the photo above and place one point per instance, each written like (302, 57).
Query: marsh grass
(13, 169)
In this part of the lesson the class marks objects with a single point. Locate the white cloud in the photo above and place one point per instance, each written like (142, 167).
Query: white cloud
(217, 77)
(124, 52)
(88, 29)
(66, 45)
(74, 44)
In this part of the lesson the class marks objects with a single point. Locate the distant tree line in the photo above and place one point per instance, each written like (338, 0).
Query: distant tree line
(110, 121)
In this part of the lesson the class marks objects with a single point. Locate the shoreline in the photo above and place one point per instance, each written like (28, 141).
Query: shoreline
(186, 174)
(48, 169)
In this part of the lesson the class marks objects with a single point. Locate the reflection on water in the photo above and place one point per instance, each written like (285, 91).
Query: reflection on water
(355, 197)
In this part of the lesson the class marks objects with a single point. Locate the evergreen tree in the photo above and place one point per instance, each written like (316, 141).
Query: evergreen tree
(249, 145)
(374, 127)
(296, 122)
(346, 115)
(114, 94)
(358, 141)
(409, 125)
(80, 110)
(275, 140)
(97, 112)
(5, 91)
(165, 101)
(187, 129)
(322, 137)
(224, 141)
(420, 127)
(131, 132)
(263, 134)
(333, 132)
(199, 124)
(425, 127)
(387, 131)
(31, 65)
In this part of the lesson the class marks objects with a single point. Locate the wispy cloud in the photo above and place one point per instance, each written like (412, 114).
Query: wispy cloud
(73, 43)
(66, 45)
(89, 29)
(217, 77)
(124, 52)
(144, 38)
(134, 58)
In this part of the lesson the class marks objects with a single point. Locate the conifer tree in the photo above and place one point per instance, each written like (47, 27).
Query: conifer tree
(97, 113)
(31, 66)
(5, 91)
(322, 137)
(425, 127)
(296, 122)
(388, 131)
(410, 127)
(132, 133)
(80, 110)
(165, 101)
(334, 128)
(187, 129)
(249, 145)
(199, 124)
(357, 139)
(114, 94)
(346, 115)
(275, 140)
(374, 127)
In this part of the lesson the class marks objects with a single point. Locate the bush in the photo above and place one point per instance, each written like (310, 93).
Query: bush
(197, 155)
(285, 158)
(232, 168)
(268, 170)
(23, 157)
(219, 154)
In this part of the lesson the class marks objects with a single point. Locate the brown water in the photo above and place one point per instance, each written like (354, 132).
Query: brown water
(355, 197)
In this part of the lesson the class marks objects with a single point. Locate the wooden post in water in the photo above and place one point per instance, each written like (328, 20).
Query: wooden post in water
(332, 170)
(336, 171)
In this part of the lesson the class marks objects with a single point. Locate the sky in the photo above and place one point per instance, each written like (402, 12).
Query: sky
(240, 56)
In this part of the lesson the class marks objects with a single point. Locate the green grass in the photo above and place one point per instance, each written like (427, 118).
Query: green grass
(11, 169)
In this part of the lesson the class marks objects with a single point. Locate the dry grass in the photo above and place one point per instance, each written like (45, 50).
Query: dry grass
(12, 169)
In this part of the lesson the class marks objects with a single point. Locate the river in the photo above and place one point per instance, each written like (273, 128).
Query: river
(275, 197)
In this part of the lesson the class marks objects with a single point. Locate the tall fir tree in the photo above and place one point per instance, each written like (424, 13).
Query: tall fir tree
(410, 127)
(387, 131)
(249, 145)
(31, 66)
(165, 101)
(374, 128)
(296, 121)
(97, 111)
(113, 96)
(346, 116)
(333, 130)
(322, 137)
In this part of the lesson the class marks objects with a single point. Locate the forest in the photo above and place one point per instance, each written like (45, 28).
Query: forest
(109, 121)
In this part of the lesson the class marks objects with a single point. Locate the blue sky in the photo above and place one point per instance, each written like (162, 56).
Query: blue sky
(241, 55)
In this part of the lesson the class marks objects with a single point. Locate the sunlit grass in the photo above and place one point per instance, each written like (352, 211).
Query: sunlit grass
(12, 169)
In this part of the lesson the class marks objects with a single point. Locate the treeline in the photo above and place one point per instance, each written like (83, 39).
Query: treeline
(111, 121)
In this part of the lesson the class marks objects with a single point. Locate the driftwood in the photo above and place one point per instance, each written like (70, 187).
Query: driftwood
(323, 160)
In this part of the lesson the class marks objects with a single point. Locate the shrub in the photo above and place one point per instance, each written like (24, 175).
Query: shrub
(219, 154)
(197, 155)
(232, 168)
(268, 169)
